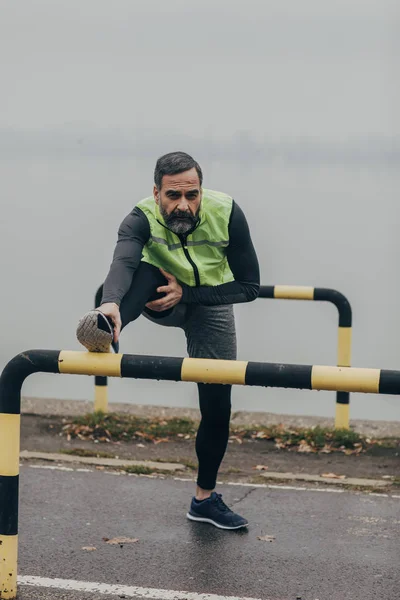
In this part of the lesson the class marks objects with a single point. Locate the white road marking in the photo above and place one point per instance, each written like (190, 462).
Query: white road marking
(275, 486)
(119, 590)
(270, 486)
(51, 467)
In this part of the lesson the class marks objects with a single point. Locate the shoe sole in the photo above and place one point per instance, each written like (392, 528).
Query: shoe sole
(204, 520)
(91, 336)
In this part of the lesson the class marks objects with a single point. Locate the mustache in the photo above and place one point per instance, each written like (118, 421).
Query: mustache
(179, 214)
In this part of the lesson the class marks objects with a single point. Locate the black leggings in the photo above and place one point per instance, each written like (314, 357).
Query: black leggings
(210, 333)
(213, 433)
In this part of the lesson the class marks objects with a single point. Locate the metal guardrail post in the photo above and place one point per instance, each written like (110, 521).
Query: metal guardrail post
(295, 292)
(283, 292)
(374, 381)
(100, 383)
(11, 382)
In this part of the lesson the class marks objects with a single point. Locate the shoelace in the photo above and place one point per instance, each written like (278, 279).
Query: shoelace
(221, 504)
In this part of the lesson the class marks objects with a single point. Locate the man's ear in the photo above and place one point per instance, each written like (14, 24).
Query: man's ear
(156, 194)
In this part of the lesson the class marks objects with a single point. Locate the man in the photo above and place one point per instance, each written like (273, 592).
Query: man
(183, 257)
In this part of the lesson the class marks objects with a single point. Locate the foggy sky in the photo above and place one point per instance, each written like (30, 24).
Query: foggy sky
(267, 67)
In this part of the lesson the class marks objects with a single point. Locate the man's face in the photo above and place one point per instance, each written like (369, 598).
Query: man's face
(179, 200)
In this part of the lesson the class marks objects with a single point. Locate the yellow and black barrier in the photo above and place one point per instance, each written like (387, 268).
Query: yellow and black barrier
(343, 379)
(297, 292)
(283, 292)
(100, 383)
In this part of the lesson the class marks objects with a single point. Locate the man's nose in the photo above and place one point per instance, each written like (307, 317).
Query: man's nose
(183, 204)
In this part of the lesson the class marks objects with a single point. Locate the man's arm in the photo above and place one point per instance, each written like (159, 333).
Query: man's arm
(243, 263)
(133, 234)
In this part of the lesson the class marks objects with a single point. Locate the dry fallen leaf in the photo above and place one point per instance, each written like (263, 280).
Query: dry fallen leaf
(304, 447)
(280, 445)
(89, 548)
(261, 467)
(236, 439)
(266, 538)
(333, 476)
(120, 540)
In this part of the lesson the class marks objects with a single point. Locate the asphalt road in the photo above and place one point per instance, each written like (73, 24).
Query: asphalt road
(326, 546)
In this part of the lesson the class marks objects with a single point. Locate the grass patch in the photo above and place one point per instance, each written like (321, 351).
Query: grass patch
(85, 452)
(125, 427)
(307, 440)
(138, 469)
(389, 442)
(141, 470)
(114, 427)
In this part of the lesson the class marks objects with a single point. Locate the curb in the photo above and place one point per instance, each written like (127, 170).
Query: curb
(103, 462)
(173, 467)
(354, 481)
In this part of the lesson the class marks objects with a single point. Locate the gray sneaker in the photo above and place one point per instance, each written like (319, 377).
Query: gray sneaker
(95, 331)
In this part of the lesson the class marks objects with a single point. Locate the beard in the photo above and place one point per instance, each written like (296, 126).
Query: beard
(179, 222)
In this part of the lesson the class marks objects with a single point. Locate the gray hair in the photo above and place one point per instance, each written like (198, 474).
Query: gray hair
(174, 163)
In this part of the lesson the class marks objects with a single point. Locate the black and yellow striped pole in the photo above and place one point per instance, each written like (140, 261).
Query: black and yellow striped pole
(297, 292)
(282, 292)
(9, 473)
(342, 379)
(11, 382)
(100, 383)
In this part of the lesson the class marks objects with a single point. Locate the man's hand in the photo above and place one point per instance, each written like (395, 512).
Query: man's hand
(172, 291)
(111, 310)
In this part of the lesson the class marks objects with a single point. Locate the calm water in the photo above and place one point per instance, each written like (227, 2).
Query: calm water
(333, 227)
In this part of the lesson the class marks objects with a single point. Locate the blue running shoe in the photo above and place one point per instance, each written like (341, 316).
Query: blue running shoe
(214, 510)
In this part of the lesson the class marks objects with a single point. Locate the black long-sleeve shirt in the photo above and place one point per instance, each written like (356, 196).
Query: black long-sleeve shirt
(133, 234)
